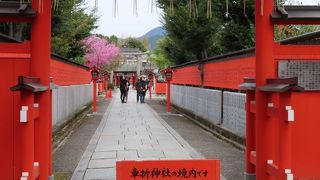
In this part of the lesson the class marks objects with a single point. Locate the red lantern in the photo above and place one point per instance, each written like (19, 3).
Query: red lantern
(94, 74)
(168, 74)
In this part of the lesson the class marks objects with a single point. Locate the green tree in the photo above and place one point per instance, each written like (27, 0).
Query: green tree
(114, 39)
(159, 56)
(195, 35)
(189, 30)
(71, 24)
(237, 30)
(135, 43)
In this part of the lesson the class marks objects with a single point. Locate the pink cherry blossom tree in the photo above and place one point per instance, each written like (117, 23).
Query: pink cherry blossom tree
(98, 51)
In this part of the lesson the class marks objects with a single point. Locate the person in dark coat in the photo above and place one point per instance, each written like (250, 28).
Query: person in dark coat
(137, 86)
(123, 88)
(143, 89)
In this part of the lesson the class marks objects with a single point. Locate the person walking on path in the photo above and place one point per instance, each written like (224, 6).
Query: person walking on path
(143, 89)
(137, 86)
(123, 88)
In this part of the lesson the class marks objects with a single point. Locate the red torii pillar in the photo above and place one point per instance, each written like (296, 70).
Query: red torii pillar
(265, 68)
(40, 67)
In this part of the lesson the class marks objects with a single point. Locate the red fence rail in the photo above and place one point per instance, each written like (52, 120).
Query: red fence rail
(160, 88)
(187, 75)
(225, 74)
(65, 73)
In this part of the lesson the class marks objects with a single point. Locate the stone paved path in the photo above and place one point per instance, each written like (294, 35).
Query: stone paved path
(130, 131)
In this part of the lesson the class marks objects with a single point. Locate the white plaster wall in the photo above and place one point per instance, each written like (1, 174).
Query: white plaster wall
(234, 113)
(68, 101)
(206, 103)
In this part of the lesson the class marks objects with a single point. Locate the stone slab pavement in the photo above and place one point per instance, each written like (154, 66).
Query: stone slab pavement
(130, 131)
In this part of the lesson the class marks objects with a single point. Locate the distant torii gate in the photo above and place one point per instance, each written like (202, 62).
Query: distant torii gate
(26, 121)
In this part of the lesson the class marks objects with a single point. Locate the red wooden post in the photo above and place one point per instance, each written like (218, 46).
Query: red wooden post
(150, 96)
(103, 82)
(94, 96)
(27, 135)
(285, 133)
(106, 87)
(50, 135)
(265, 129)
(168, 96)
(150, 77)
(40, 67)
(106, 80)
(250, 134)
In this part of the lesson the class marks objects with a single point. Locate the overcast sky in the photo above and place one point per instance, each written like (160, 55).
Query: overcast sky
(126, 24)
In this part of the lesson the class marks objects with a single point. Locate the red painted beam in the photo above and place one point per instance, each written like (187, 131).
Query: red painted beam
(15, 55)
(297, 52)
(16, 19)
(297, 22)
(16, 48)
